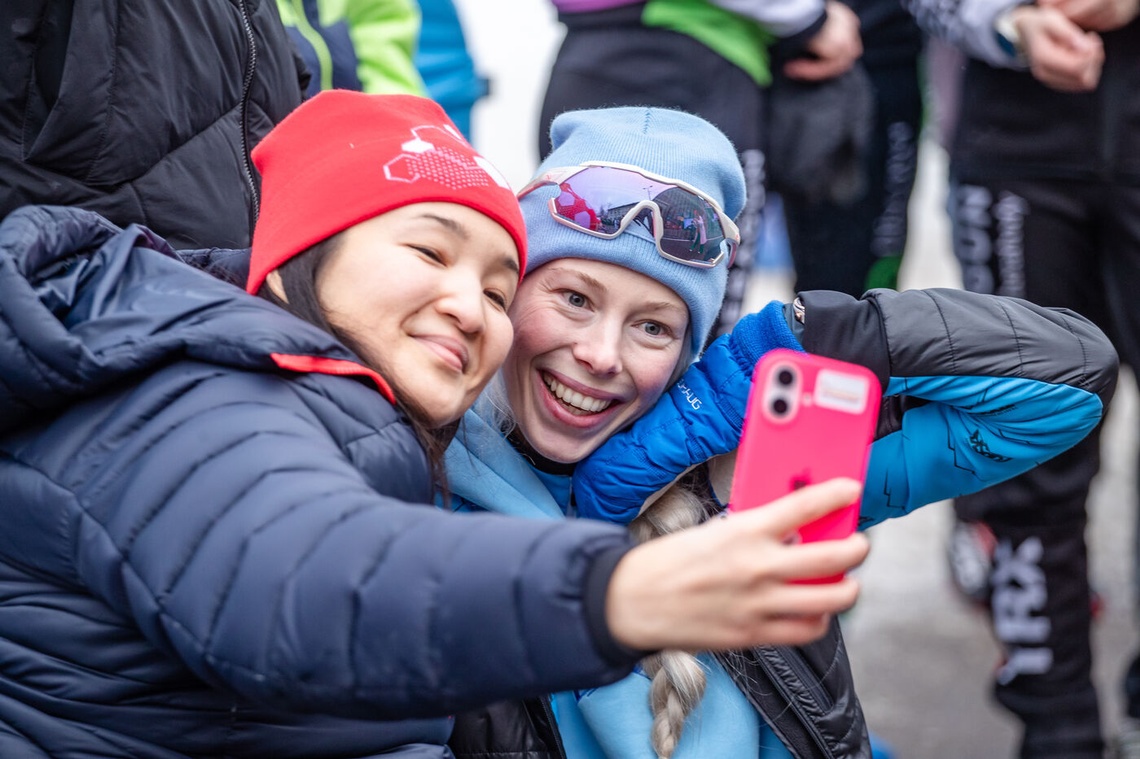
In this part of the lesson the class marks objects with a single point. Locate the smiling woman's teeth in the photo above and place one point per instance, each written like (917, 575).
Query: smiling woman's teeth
(578, 403)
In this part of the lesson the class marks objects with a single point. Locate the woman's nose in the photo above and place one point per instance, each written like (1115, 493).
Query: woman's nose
(599, 347)
(464, 302)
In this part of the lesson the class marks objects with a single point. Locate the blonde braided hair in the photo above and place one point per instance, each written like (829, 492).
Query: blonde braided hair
(677, 677)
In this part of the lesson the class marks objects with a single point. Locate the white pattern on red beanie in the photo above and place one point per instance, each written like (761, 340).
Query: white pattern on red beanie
(343, 157)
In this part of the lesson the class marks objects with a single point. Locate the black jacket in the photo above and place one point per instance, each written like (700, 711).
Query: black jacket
(805, 694)
(1011, 126)
(143, 111)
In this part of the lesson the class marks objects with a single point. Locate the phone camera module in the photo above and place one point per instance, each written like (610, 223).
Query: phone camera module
(781, 396)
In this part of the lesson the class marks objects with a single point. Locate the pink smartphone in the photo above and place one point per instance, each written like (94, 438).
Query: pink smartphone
(809, 419)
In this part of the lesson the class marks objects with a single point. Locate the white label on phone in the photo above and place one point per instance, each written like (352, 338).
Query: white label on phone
(841, 391)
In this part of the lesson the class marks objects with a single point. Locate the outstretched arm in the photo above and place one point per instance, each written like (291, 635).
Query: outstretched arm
(978, 388)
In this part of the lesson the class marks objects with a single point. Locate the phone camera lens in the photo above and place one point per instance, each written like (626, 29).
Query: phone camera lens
(780, 406)
(785, 377)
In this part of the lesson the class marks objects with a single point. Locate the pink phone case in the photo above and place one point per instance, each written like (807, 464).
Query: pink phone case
(809, 419)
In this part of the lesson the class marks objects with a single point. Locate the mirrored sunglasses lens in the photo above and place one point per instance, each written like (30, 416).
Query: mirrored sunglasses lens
(693, 230)
(599, 198)
(574, 208)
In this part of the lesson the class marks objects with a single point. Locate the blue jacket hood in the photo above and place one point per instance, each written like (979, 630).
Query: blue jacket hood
(84, 304)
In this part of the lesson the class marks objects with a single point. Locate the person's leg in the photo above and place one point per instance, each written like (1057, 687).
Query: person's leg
(852, 247)
(943, 64)
(1039, 241)
(1121, 208)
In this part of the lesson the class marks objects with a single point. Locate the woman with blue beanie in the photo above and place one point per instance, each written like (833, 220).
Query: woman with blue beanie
(217, 470)
(606, 399)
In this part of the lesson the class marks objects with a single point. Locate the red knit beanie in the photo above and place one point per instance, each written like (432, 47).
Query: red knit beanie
(343, 157)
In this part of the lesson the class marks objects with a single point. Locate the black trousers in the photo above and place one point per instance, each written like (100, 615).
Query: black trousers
(855, 246)
(1077, 245)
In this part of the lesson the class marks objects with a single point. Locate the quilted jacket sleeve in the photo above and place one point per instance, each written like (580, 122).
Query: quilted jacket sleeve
(266, 537)
(968, 25)
(977, 388)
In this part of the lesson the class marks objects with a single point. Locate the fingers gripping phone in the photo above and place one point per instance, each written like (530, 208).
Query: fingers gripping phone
(809, 418)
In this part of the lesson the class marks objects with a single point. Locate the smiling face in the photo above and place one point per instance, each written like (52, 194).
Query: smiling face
(595, 346)
(424, 292)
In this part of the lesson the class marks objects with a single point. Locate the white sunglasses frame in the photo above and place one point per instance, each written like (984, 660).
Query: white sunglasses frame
(560, 174)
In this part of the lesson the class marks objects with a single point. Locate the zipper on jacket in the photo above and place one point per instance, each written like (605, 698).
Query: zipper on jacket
(247, 86)
(795, 662)
(548, 710)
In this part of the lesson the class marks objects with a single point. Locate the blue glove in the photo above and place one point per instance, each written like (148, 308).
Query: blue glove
(698, 418)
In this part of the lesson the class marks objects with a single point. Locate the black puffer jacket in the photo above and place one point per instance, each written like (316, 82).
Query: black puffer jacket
(1012, 125)
(143, 111)
(806, 694)
(203, 554)
(977, 389)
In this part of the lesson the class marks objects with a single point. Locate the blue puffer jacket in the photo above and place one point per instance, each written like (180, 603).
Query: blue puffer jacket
(204, 554)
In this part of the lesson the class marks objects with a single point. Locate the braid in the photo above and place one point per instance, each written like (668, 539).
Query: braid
(678, 678)
(677, 685)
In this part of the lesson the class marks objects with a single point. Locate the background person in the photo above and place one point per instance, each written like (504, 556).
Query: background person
(849, 234)
(707, 57)
(1045, 205)
(366, 45)
(387, 47)
(143, 112)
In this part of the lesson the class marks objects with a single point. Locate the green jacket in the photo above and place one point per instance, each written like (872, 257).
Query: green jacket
(367, 45)
(737, 38)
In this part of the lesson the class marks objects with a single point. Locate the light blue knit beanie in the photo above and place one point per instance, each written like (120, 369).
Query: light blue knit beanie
(670, 143)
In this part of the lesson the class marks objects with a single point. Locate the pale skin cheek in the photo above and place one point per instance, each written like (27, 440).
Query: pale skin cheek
(370, 346)
(651, 393)
(503, 336)
(525, 308)
(520, 352)
(658, 368)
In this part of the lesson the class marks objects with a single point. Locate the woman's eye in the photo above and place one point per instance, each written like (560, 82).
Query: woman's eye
(657, 329)
(429, 253)
(578, 300)
(497, 298)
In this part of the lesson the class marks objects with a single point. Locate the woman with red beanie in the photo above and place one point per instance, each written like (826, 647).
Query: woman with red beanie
(218, 532)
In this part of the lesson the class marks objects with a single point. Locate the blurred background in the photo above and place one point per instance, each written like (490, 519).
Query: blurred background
(923, 657)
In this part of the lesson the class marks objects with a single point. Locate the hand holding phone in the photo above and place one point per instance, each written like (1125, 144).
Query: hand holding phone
(809, 419)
